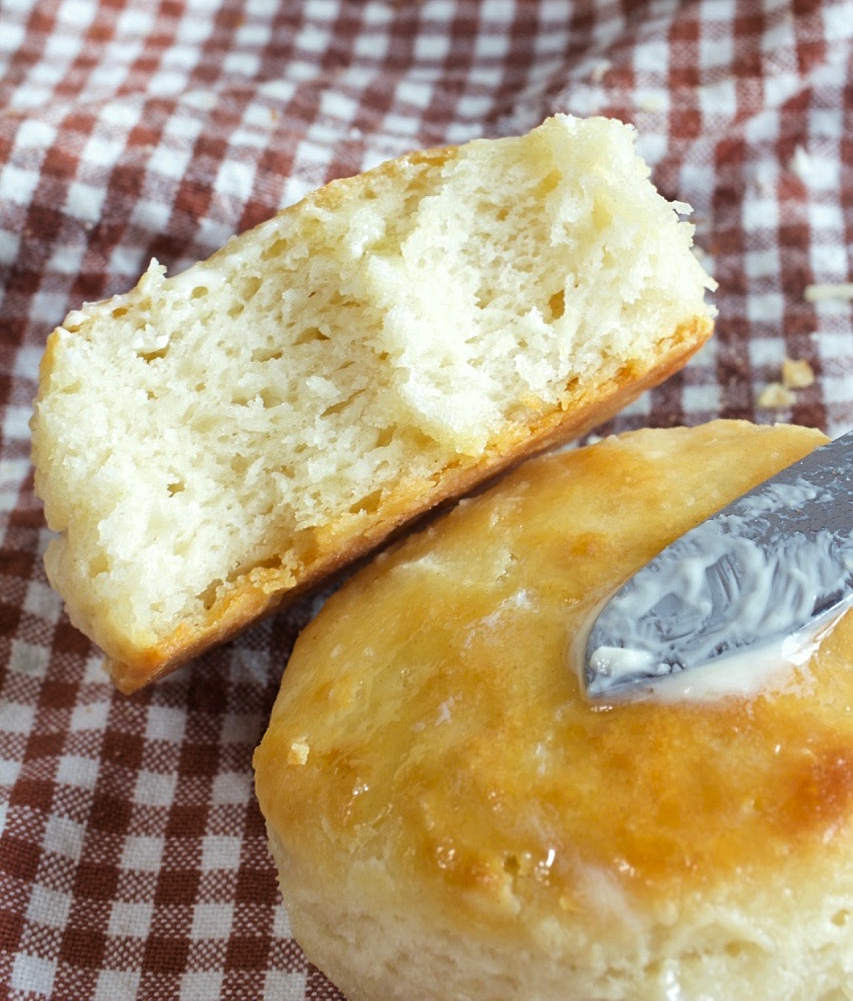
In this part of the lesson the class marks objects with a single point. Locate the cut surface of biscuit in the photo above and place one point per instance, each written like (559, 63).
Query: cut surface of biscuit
(210, 444)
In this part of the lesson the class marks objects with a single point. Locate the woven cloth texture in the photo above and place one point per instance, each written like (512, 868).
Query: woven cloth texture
(133, 861)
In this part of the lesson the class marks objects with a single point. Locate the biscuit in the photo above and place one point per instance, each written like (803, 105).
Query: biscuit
(210, 445)
(452, 818)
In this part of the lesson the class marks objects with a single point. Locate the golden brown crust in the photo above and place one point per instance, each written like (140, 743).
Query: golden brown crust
(429, 726)
(261, 592)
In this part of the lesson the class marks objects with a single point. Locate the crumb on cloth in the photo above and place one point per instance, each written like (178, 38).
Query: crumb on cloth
(822, 292)
(796, 374)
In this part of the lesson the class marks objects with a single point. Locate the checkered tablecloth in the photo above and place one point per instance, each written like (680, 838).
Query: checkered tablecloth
(132, 854)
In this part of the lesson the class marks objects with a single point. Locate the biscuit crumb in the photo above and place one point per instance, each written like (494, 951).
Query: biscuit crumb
(818, 293)
(774, 396)
(797, 373)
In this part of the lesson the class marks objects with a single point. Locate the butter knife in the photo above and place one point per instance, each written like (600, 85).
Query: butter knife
(765, 573)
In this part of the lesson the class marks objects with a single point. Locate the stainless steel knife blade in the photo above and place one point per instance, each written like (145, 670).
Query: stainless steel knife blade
(767, 571)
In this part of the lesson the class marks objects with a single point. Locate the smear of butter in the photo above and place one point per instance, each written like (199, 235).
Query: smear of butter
(728, 612)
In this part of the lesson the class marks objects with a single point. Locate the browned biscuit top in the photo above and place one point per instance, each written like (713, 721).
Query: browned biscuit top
(431, 718)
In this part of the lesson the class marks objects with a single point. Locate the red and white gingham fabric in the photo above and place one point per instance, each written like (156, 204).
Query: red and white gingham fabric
(133, 861)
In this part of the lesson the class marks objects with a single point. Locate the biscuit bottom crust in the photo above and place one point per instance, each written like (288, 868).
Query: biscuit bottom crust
(452, 819)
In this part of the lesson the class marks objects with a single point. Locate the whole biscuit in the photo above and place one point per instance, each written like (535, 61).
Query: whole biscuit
(452, 819)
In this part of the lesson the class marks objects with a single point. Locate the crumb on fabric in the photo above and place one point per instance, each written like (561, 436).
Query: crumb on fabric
(797, 373)
(775, 396)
